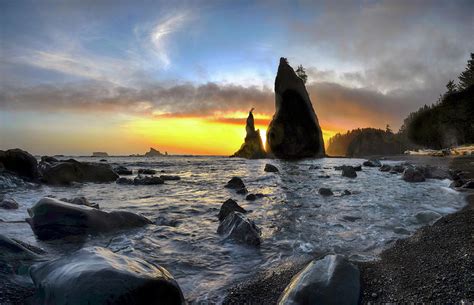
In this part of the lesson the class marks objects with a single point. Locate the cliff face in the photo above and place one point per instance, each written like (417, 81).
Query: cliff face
(294, 131)
(253, 145)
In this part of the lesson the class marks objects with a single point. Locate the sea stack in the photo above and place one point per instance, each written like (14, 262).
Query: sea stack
(294, 131)
(253, 145)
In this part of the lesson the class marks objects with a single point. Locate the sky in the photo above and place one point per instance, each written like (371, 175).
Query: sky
(180, 76)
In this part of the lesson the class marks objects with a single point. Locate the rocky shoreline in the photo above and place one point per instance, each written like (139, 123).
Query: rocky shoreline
(436, 264)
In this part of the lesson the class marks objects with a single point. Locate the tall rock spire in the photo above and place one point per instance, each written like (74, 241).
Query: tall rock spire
(294, 131)
(252, 148)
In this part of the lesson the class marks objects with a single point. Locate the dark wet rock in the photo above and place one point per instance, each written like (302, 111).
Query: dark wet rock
(271, 168)
(81, 201)
(385, 168)
(358, 168)
(351, 218)
(102, 160)
(252, 197)
(169, 177)
(241, 229)
(252, 148)
(99, 276)
(146, 171)
(413, 175)
(311, 167)
(468, 185)
(348, 171)
(331, 280)
(242, 191)
(397, 169)
(294, 131)
(53, 219)
(324, 176)
(346, 193)
(228, 207)
(433, 172)
(49, 159)
(162, 221)
(426, 216)
(153, 153)
(235, 183)
(20, 162)
(325, 192)
(69, 171)
(147, 180)
(122, 170)
(8, 203)
(372, 163)
(123, 180)
(11, 249)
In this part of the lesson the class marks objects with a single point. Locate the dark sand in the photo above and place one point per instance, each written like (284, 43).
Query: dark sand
(436, 264)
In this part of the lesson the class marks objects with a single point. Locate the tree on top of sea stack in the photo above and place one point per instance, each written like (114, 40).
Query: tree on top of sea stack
(294, 131)
(252, 148)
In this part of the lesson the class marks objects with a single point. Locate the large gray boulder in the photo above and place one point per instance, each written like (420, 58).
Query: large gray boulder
(20, 162)
(228, 207)
(411, 174)
(252, 148)
(52, 219)
(11, 250)
(240, 228)
(98, 276)
(66, 172)
(331, 280)
(294, 131)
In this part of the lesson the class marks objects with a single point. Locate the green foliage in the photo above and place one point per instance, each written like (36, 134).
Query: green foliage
(466, 78)
(301, 72)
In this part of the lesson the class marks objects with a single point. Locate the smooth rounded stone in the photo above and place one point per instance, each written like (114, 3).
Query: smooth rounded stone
(98, 276)
(427, 216)
(235, 183)
(294, 131)
(242, 191)
(81, 201)
(146, 171)
(271, 168)
(372, 163)
(228, 207)
(11, 249)
(331, 280)
(20, 162)
(69, 171)
(349, 172)
(122, 170)
(325, 192)
(169, 177)
(385, 168)
(252, 148)
(241, 229)
(52, 219)
(8, 203)
(411, 174)
(252, 197)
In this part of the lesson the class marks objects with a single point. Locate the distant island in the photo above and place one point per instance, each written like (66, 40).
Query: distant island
(154, 153)
(100, 154)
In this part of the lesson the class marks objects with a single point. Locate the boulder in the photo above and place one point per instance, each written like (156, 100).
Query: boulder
(331, 280)
(69, 171)
(146, 171)
(52, 219)
(385, 168)
(433, 172)
(10, 181)
(49, 159)
(20, 162)
(8, 203)
(348, 171)
(123, 180)
(468, 185)
(228, 207)
(235, 183)
(397, 169)
(411, 174)
(270, 168)
(98, 276)
(242, 191)
(169, 177)
(372, 163)
(153, 153)
(358, 168)
(147, 180)
(325, 192)
(81, 201)
(11, 249)
(294, 131)
(252, 148)
(122, 170)
(240, 228)
(252, 197)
